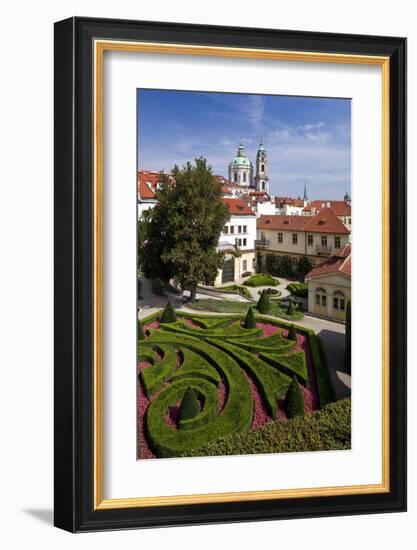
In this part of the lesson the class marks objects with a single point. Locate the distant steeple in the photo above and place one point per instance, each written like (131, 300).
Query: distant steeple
(305, 193)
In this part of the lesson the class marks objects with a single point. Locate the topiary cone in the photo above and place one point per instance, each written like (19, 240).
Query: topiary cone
(263, 304)
(190, 406)
(291, 308)
(292, 334)
(141, 334)
(250, 321)
(294, 402)
(168, 315)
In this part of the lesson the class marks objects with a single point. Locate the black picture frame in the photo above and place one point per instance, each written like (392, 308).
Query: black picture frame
(74, 268)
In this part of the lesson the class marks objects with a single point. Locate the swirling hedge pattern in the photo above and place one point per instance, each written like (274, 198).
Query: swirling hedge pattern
(207, 355)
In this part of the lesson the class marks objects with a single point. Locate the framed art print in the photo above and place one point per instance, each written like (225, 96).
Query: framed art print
(230, 304)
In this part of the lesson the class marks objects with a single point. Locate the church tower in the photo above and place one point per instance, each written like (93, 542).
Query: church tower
(240, 169)
(261, 177)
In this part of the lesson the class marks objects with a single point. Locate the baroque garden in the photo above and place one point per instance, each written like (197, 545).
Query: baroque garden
(234, 368)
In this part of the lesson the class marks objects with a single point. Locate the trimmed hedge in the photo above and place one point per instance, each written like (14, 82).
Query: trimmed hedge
(298, 289)
(236, 414)
(141, 334)
(271, 383)
(147, 355)
(326, 430)
(261, 279)
(271, 344)
(294, 403)
(154, 377)
(193, 365)
(249, 320)
(235, 289)
(292, 364)
(235, 330)
(324, 383)
(168, 315)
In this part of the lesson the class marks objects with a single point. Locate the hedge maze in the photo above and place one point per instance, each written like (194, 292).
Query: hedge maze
(199, 376)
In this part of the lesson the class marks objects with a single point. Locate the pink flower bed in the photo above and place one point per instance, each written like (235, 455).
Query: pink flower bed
(222, 396)
(267, 329)
(154, 324)
(260, 415)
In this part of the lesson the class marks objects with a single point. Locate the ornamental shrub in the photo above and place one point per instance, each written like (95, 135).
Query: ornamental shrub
(263, 304)
(168, 315)
(291, 309)
(190, 406)
(292, 335)
(294, 403)
(141, 334)
(250, 319)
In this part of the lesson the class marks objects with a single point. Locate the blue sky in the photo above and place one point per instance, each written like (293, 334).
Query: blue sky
(307, 139)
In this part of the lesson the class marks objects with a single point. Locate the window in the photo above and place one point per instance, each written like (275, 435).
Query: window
(262, 236)
(225, 229)
(324, 240)
(335, 303)
(342, 304)
(280, 237)
(239, 229)
(239, 242)
(263, 186)
(339, 302)
(245, 229)
(337, 242)
(244, 176)
(244, 242)
(235, 177)
(245, 265)
(253, 263)
(262, 167)
(318, 299)
(350, 221)
(232, 229)
(323, 300)
(294, 238)
(310, 240)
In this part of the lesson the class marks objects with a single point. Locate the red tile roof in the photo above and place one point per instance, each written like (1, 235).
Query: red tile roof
(339, 263)
(340, 208)
(239, 207)
(146, 185)
(324, 222)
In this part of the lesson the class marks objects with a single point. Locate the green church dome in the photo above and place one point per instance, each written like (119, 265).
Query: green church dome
(240, 159)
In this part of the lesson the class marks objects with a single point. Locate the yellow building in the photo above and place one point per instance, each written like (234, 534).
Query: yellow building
(329, 286)
(317, 237)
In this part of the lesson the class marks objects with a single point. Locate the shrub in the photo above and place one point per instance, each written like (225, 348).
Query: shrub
(263, 305)
(324, 382)
(190, 405)
(247, 274)
(348, 343)
(281, 266)
(291, 309)
(292, 335)
(290, 364)
(272, 291)
(326, 430)
(298, 289)
(294, 403)
(250, 319)
(154, 377)
(261, 279)
(141, 334)
(168, 315)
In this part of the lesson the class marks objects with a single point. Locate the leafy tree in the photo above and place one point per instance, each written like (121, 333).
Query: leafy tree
(304, 266)
(292, 334)
(259, 262)
(141, 334)
(294, 402)
(178, 238)
(168, 315)
(348, 342)
(190, 405)
(250, 321)
(263, 305)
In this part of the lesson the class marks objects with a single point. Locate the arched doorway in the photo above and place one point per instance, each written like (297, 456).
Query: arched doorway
(320, 302)
(228, 273)
(339, 305)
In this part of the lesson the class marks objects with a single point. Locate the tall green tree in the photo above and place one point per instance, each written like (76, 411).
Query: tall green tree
(304, 266)
(178, 238)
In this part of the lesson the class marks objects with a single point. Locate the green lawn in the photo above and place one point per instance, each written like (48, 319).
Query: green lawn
(235, 289)
(231, 306)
